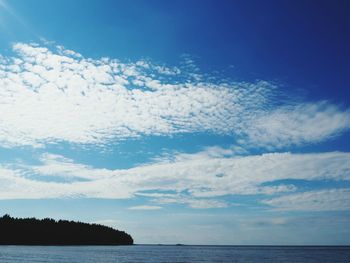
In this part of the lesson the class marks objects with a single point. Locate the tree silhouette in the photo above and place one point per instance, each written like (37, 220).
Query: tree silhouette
(32, 231)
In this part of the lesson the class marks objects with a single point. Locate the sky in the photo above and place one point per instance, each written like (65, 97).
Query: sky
(195, 122)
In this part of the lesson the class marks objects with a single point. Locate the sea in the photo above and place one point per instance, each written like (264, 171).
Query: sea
(174, 254)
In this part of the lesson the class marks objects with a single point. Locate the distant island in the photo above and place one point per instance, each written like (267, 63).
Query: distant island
(32, 231)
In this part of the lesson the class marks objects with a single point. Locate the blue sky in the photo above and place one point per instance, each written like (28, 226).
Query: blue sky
(192, 122)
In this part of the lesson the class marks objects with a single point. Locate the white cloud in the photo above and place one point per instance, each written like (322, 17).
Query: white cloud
(145, 207)
(198, 180)
(50, 96)
(302, 123)
(323, 200)
(193, 202)
(62, 96)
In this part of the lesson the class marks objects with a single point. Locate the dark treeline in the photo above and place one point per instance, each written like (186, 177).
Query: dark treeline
(32, 231)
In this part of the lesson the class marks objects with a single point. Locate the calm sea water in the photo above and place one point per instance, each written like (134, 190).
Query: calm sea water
(173, 254)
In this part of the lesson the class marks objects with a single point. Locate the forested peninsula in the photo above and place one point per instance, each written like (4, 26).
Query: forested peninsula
(32, 231)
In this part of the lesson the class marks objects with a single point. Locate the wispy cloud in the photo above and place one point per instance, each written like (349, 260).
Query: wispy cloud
(145, 207)
(325, 200)
(199, 180)
(298, 124)
(196, 203)
(48, 95)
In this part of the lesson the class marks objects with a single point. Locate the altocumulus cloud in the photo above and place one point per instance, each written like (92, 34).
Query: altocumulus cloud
(48, 95)
(51, 94)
